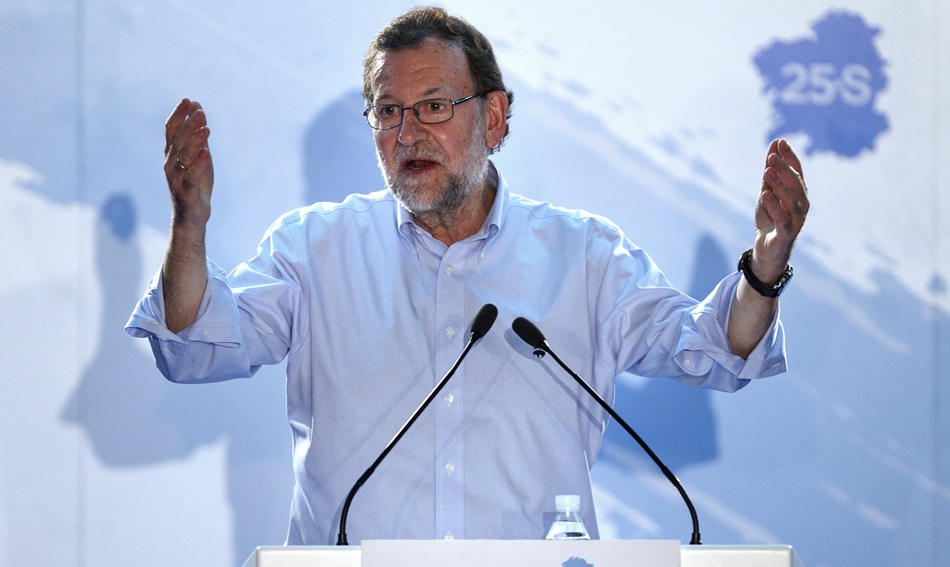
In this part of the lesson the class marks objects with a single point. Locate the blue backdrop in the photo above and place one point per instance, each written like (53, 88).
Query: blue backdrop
(657, 116)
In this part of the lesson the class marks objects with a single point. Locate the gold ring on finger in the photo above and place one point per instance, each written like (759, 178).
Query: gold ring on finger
(182, 166)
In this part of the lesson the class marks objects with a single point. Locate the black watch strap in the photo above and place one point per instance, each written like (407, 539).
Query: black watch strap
(763, 288)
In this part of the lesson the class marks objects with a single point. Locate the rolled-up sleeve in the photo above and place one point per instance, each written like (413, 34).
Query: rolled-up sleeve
(703, 352)
(649, 328)
(217, 321)
(244, 320)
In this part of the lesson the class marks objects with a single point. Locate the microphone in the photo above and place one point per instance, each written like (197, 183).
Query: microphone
(530, 334)
(480, 325)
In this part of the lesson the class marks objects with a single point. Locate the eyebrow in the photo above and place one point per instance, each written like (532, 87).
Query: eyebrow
(433, 91)
(427, 93)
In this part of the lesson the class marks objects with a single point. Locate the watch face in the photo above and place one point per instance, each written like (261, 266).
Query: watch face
(783, 282)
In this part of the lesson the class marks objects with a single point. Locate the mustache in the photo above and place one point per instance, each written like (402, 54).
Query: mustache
(407, 153)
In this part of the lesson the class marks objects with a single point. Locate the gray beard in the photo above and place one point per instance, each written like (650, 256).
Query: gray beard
(455, 192)
(458, 188)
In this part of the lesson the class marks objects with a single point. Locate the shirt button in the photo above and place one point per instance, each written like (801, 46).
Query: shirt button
(448, 535)
(449, 469)
(449, 269)
(449, 398)
(449, 332)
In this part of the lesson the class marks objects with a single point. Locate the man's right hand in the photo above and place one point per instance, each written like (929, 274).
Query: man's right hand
(190, 179)
(188, 166)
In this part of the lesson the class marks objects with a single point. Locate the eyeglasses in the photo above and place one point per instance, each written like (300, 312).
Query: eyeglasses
(429, 111)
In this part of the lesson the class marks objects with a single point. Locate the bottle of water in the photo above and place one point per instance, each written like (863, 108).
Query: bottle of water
(568, 523)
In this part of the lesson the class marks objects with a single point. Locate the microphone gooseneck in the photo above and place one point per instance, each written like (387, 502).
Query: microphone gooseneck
(530, 334)
(480, 325)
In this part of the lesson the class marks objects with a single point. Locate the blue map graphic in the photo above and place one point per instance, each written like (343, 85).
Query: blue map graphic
(826, 86)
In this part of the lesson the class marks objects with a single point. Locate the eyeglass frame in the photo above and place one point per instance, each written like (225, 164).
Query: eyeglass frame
(412, 107)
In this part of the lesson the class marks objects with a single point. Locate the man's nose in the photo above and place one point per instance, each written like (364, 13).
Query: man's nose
(411, 130)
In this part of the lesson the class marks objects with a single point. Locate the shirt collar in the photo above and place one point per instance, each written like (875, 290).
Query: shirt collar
(499, 209)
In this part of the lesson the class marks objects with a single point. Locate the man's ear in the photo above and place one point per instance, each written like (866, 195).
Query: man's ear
(496, 117)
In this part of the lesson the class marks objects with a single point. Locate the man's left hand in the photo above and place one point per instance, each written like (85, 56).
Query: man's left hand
(780, 212)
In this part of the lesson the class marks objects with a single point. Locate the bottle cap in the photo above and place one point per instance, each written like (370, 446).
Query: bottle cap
(567, 502)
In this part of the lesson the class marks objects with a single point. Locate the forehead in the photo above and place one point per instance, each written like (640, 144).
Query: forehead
(432, 68)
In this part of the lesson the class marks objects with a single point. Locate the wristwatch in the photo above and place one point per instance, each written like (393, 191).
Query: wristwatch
(757, 284)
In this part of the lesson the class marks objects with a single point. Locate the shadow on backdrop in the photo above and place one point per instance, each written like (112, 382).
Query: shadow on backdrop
(676, 420)
(339, 152)
(133, 417)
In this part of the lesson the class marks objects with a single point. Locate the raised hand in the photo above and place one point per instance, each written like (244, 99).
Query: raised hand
(780, 211)
(188, 165)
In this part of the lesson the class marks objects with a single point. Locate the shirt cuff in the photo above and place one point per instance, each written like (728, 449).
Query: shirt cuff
(218, 319)
(704, 350)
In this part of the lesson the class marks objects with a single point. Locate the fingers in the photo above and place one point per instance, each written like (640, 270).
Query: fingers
(788, 154)
(191, 151)
(781, 207)
(175, 120)
(786, 214)
(773, 149)
(784, 180)
(781, 147)
(186, 136)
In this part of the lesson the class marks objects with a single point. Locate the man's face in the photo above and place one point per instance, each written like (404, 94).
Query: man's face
(431, 168)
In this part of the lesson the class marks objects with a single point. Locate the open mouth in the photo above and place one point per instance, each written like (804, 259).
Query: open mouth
(417, 164)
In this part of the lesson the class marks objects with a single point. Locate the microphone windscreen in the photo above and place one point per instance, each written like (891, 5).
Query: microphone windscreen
(528, 332)
(484, 320)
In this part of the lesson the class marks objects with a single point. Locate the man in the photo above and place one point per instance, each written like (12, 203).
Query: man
(370, 301)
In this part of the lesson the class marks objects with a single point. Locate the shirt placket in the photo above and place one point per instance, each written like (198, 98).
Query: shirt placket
(449, 464)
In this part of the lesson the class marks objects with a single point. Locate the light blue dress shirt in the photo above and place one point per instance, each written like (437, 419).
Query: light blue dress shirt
(371, 311)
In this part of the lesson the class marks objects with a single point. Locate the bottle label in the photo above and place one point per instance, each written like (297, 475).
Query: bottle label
(568, 530)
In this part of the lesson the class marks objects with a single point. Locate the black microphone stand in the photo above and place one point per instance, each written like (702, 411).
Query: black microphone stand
(483, 321)
(530, 334)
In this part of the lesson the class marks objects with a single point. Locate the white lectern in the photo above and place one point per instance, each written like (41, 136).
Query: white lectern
(690, 555)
